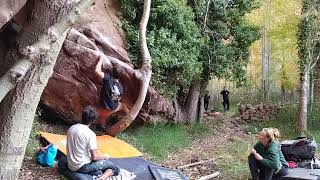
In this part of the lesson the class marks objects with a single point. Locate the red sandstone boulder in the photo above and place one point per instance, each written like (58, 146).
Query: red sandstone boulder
(74, 85)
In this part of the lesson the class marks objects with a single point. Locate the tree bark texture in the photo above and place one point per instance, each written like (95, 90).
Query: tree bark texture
(19, 107)
(317, 82)
(203, 88)
(303, 110)
(17, 72)
(201, 109)
(8, 8)
(191, 106)
(311, 90)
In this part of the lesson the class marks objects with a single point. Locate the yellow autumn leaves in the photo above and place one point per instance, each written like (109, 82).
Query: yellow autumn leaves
(281, 18)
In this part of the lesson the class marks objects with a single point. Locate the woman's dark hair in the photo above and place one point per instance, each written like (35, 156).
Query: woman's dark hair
(89, 115)
(115, 73)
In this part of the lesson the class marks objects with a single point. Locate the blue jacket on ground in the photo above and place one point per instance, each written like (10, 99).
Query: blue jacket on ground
(47, 157)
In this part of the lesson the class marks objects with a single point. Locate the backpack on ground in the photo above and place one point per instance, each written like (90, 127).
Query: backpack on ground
(299, 149)
(47, 157)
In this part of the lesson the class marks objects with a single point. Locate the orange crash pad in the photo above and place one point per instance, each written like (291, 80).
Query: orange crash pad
(106, 145)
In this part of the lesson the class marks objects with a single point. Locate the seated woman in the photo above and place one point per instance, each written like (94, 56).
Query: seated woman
(266, 159)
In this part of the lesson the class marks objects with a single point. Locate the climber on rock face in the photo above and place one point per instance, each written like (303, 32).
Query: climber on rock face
(110, 94)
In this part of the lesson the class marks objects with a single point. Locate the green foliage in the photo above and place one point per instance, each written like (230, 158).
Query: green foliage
(230, 37)
(173, 39)
(309, 34)
(157, 141)
(184, 48)
(282, 16)
(313, 119)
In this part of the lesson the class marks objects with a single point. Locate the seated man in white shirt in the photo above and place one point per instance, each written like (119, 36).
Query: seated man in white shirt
(82, 152)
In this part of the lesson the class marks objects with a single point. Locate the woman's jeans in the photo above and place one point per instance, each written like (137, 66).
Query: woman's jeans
(261, 172)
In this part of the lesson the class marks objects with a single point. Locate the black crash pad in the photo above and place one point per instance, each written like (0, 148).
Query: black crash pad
(162, 173)
(302, 173)
(139, 166)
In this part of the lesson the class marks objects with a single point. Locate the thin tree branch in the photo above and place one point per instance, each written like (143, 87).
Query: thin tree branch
(146, 75)
(210, 176)
(316, 61)
(143, 36)
(206, 15)
(199, 162)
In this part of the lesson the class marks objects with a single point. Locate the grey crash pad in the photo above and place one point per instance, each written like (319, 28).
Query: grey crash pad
(302, 173)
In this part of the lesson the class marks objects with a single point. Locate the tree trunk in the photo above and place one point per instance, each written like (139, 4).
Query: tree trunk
(311, 92)
(144, 75)
(201, 109)
(191, 105)
(8, 9)
(203, 89)
(263, 62)
(19, 107)
(303, 110)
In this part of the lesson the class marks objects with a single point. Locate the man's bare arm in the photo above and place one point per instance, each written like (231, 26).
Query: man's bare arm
(98, 69)
(95, 156)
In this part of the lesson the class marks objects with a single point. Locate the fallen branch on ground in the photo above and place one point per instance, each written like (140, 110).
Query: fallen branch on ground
(197, 163)
(216, 174)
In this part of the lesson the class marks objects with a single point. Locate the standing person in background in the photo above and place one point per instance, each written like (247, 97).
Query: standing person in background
(206, 100)
(110, 95)
(266, 159)
(225, 95)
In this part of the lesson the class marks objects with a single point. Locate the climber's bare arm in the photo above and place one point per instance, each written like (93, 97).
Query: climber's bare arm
(98, 69)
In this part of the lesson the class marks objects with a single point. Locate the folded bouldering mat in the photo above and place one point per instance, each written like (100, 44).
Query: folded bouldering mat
(302, 173)
(106, 145)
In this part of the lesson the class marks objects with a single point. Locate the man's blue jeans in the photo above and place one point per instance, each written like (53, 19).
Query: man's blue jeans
(93, 168)
(98, 167)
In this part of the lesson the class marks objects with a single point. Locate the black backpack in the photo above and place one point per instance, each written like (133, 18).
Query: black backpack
(299, 149)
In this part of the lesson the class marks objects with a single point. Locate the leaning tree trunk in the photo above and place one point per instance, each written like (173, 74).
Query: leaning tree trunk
(191, 106)
(19, 107)
(303, 110)
(144, 75)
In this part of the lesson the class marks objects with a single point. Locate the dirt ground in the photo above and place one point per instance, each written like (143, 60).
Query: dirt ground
(202, 148)
(205, 148)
